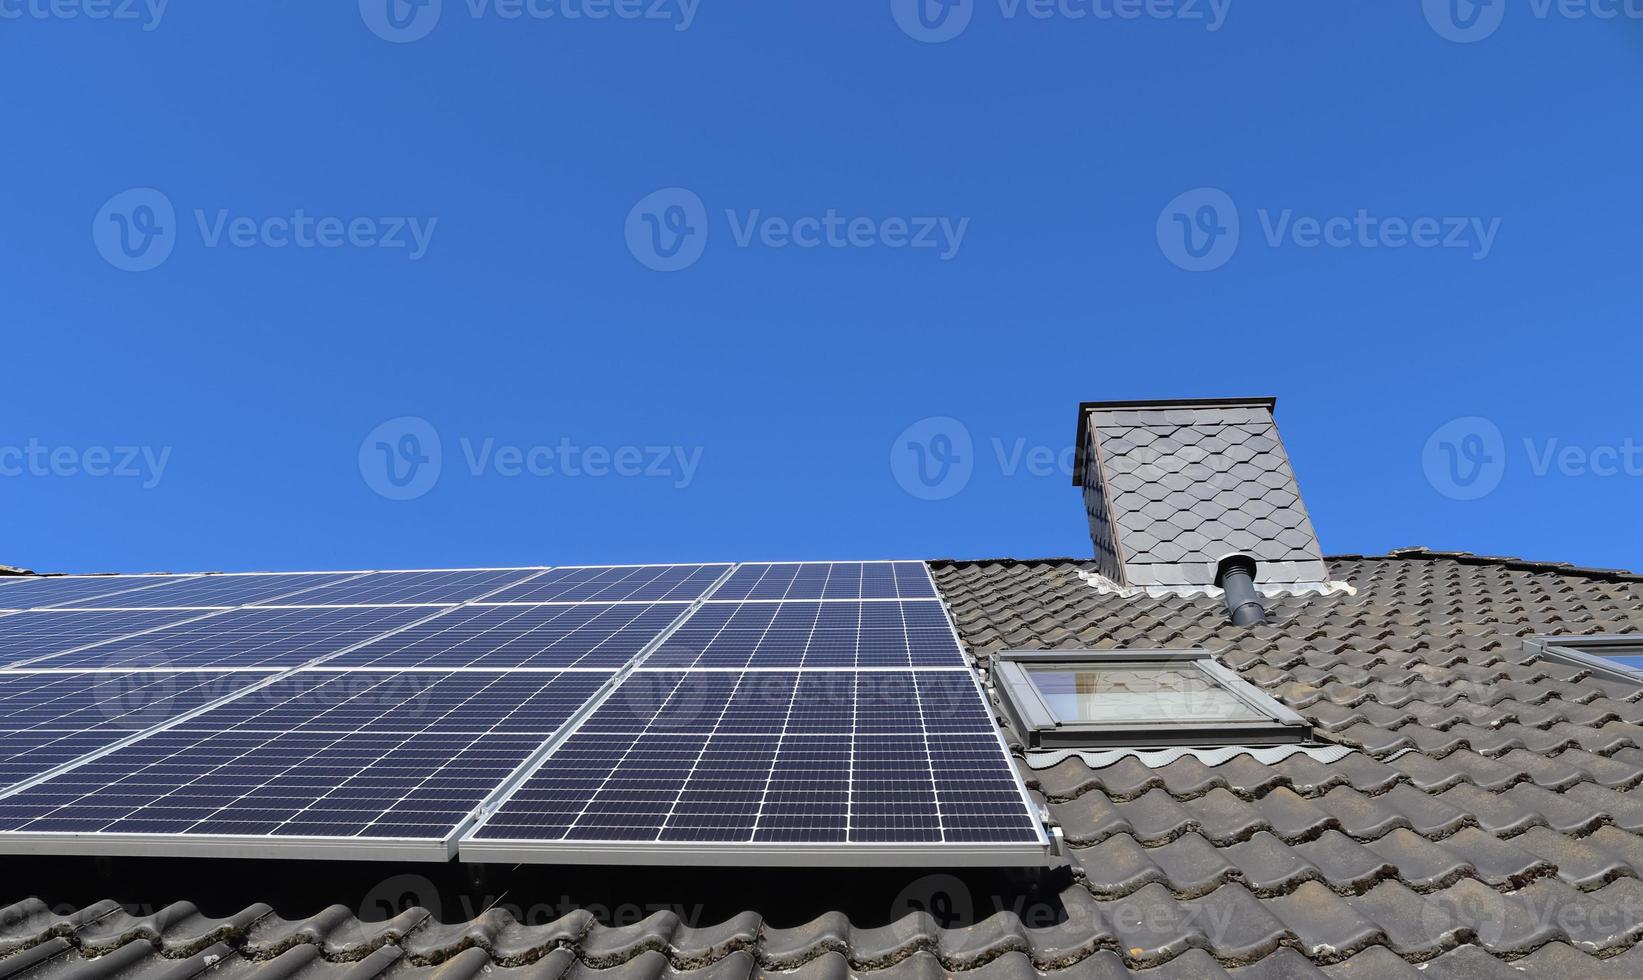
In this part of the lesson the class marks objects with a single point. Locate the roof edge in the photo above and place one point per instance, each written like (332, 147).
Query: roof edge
(1397, 554)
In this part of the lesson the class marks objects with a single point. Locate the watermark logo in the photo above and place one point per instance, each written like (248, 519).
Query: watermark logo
(667, 231)
(1199, 230)
(1465, 459)
(136, 700)
(932, 21)
(1471, 21)
(395, 896)
(401, 21)
(404, 21)
(1465, 21)
(136, 230)
(936, 21)
(34, 458)
(401, 458)
(945, 898)
(933, 459)
(148, 12)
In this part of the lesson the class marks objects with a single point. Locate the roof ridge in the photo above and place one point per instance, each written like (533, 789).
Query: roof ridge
(1417, 553)
(1422, 553)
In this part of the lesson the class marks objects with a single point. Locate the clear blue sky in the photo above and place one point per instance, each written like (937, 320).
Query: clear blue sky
(778, 378)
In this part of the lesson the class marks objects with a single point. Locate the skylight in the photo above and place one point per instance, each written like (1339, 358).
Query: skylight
(1138, 698)
(1620, 657)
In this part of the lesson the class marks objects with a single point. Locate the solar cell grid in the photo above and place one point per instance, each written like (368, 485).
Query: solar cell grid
(380, 702)
(26, 636)
(776, 758)
(641, 583)
(813, 634)
(411, 588)
(49, 719)
(317, 754)
(69, 701)
(829, 580)
(599, 636)
(251, 637)
(197, 784)
(218, 590)
(34, 593)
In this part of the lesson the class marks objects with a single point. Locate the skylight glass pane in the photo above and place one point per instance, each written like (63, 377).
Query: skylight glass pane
(1630, 657)
(1137, 694)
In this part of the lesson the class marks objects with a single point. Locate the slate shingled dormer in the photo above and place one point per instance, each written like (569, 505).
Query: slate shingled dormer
(1174, 487)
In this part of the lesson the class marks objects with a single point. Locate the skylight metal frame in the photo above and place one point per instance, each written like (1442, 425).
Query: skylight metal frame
(1586, 651)
(1041, 728)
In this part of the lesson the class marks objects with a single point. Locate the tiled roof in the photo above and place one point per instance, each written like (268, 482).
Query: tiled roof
(1486, 824)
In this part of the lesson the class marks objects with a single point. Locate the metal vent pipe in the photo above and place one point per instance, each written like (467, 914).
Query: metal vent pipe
(1236, 575)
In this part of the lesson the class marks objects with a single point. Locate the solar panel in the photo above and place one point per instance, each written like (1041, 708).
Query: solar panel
(411, 588)
(829, 580)
(271, 637)
(330, 761)
(218, 590)
(49, 719)
(468, 702)
(27, 636)
(640, 583)
(813, 634)
(771, 758)
(39, 593)
(598, 635)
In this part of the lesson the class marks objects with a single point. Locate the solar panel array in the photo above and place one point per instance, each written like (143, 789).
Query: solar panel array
(389, 714)
(799, 708)
(777, 758)
(316, 754)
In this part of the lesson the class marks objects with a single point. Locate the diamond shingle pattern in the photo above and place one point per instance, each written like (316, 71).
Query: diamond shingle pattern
(1171, 491)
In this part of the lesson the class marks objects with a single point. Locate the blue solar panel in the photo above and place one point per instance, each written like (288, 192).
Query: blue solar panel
(218, 590)
(38, 593)
(244, 638)
(601, 636)
(320, 700)
(813, 634)
(365, 755)
(266, 784)
(49, 719)
(777, 758)
(409, 588)
(641, 583)
(26, 636)
(829, 580)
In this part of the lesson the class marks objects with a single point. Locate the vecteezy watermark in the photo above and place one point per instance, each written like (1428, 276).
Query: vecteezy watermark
(668, 231)
(1470, 21)
(1200, 230)
(136, 230)
(1467, 458)
(404, 21)
(145, 464)
(936, 21)
(402, 459)
(935, 458)
(147, 13)
(402, 893)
